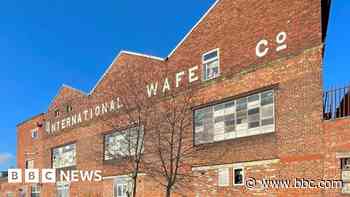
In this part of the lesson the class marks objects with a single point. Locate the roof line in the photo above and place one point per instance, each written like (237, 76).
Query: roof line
(154, 57)
(192, 29)
(144, 55)
(29, 119)
(115, 59)
(104, 74)
(69, 87)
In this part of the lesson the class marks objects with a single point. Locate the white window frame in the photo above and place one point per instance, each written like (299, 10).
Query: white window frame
(62, 186)
(69, 108)
(34, 133)
(124, 184)
(57, 113)
(241, 130)
(9, 194)
(221, 173)
(206, 62)
(243, 176)
(61, 149)
(123, 149)
(345, 175)
(28, 162)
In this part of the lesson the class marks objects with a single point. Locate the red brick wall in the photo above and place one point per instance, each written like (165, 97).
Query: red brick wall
(337, 140)
(235, 27)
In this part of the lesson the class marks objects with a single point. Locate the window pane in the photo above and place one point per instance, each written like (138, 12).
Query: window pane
(122, 186)
(64, 156)
(223, 177)
(253, 98)
(212, 70)
(210, 56)
(267, 98)
(238, 176)
(205, 133)
(124, 143)
(267, 111)
(242, 104)
(241, 117)
(265, 122)
(229, 123)
(233, 118)
(254, 118)
(62, 189)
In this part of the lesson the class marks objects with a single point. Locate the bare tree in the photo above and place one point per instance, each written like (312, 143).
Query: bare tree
(131, 122)
(163, 125)
(172, 142)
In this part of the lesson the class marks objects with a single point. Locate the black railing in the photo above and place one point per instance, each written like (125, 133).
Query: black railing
(336, 103)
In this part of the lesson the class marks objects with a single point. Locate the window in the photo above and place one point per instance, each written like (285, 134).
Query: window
(247, 116)
(223, 177)
(122, 187)
(211, 65)
(34, 134)
(345, 166)
(57, 113)
(238, 176)
(29, 164)
(123, 143)
(9, 194)
(62, 189)
(35, 191)
(64, 156)
(69, 108)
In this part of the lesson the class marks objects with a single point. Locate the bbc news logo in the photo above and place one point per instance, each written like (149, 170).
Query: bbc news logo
(52, 176)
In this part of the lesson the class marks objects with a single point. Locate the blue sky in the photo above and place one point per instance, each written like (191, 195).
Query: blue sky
(48, 43)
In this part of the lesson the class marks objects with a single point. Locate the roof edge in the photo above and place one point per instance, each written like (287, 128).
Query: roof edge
(116, 58)
(69, 87)
(193, 28)
(29, 119)
(141, 55)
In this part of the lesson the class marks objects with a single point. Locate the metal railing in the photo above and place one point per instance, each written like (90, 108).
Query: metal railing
(336, 103)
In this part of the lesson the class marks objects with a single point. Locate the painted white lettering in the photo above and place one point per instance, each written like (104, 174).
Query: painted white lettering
(112, 106)
(68, 122)
(281, 39)
(262, 44)
(53, 127)
(57, 125)
(74, 119)
(47, 126)
(119, 104)
(79, 120)
(104, 108)
(152, 89)
(192, 77)
(86, 114)
(166, 86)
(178, 78)
(97, 110)
(63, 123)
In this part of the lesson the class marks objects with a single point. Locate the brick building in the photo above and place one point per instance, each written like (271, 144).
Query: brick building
(256, 67)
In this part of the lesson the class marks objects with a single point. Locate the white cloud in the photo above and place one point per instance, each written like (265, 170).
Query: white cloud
(5, 157)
